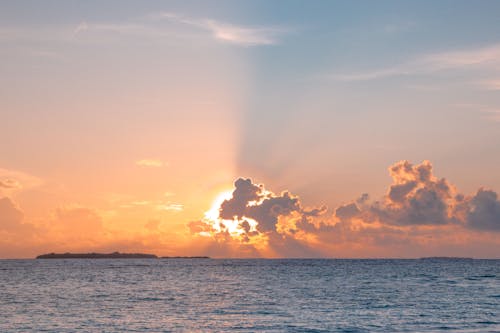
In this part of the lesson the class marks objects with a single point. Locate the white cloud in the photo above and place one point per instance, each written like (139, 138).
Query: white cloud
(479, 58)
(110, 27)
(458, 59)
(153, 204)
(150, 26)
(169, 206)
(229, 33)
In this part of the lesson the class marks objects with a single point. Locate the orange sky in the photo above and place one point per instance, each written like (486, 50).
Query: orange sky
(123, 125)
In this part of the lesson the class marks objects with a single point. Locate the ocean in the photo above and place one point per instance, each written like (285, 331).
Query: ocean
(255, 295)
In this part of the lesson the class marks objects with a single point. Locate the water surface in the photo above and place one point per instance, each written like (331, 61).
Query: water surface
(208, 295)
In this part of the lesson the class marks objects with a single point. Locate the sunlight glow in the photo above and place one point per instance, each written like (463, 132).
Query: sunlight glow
(213, 213)
(233, 227)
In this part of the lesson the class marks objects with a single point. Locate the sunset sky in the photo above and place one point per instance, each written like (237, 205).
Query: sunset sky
(250, 128)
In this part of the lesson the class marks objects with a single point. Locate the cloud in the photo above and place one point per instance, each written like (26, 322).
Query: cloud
(228, 33)
(154, 204)
(170, 206)
(11, 216)
(13, 180)
(347, 211)
(419, 210)
(252, 202)
(16, 235)
(416, 197)
(152, 163)
(116, 28)
(486, 57)
(260, 219)
(9, 183)
(484, 211)
(159, 27)
(457, 59)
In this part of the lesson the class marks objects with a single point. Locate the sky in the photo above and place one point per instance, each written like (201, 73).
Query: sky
(343, 129)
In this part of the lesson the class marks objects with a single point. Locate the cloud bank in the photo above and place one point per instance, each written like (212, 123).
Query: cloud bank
(418, 209)
(420, 214)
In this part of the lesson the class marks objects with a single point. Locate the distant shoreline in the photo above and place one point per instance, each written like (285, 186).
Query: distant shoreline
(119, 255)
(114, 255)
(446, 258)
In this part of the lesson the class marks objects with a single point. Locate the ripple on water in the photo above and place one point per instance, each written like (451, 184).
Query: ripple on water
(250, 296)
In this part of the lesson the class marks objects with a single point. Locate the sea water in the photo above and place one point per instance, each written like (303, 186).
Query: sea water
(257, 295)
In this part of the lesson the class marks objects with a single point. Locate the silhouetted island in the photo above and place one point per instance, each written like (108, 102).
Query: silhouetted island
(195, 257)
(446, 258)
(114, 255)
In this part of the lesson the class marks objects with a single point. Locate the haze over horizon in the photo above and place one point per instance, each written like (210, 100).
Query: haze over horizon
(250, 129)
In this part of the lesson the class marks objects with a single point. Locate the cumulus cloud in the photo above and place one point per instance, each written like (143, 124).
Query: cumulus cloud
(252, 202)
(347, 211)
(417, 211)
(258, 217)
(484, 211)
(416, 197)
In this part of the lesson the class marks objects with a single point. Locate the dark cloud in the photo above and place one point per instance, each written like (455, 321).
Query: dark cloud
(398, 192)
(418, 209)
(287, 246)
(484, 211)
(267, 212)
(244, 193)
(416, 197)
(347, 211)
(252, 201)
(363, 198)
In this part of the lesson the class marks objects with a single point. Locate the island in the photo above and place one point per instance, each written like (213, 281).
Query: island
(179, 257)
(114, 255)
(446, 258)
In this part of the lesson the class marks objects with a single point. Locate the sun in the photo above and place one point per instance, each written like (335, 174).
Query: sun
(233, 227)
(213, 213)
